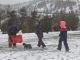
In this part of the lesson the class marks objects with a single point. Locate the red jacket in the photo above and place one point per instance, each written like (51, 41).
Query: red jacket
(63, 29)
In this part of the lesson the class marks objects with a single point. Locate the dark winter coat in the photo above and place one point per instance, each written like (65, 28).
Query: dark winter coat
(39, 31)
(13, 30)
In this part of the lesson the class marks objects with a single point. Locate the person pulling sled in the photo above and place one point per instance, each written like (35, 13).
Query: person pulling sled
(12, 31)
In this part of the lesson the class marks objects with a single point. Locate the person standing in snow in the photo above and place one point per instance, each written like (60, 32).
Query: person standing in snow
(12, 31)
(63, 36)
(39, 32)
(12, 27)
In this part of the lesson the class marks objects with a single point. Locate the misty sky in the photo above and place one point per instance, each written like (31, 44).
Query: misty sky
(12, 1)
(15, 1)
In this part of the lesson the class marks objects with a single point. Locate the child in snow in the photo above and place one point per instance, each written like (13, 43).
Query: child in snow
(39, 32)
(63, 36)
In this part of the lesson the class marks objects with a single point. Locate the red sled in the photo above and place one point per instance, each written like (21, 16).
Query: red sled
(17, 39)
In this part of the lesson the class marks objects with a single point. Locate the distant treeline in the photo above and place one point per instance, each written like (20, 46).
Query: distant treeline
(28, 23)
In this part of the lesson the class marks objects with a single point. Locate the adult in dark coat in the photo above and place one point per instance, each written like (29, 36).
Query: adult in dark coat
(39, 32)
(12, 31)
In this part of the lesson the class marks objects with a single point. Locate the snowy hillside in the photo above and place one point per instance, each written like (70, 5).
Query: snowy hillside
(47, 6)
(49, 53)
(50, 6)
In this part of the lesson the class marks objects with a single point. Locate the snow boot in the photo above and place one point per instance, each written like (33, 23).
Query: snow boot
(58, 49)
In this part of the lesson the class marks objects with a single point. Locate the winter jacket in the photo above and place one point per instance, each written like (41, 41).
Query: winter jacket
(13, 30)
(39, 31)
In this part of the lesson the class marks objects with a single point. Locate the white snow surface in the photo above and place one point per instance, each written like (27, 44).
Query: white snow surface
(38, 53)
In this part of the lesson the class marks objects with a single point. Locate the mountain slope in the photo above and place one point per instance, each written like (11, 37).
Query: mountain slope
(49, 6)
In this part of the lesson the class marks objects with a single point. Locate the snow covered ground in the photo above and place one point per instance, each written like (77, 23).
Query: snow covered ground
(49, 53)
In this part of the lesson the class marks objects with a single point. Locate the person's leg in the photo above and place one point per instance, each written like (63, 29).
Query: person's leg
(14, 41)
(10, 45)
(60, 41)
(65, 41)
(60, 45)
(14, 45)
(39, 42)
(66, 45)
(10, 42)
(43, 45)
